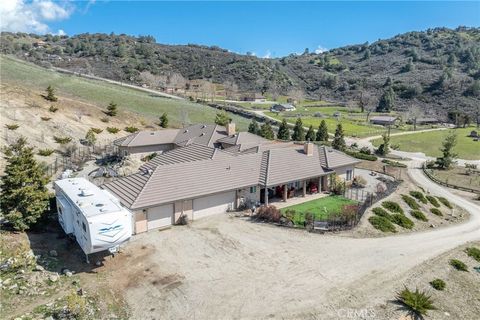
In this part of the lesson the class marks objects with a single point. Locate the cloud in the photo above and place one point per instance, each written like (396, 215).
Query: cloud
(267, 55)
(32, 16)
(320, 49)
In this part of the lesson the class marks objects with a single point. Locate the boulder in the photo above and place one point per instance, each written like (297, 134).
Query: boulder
(7, 281)
(53, 253)
(39, 268)
(53, 277)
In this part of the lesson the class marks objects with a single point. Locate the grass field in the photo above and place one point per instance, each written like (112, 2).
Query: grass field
(431, 142)
(321, 208)
(100, 93)
(459, 176)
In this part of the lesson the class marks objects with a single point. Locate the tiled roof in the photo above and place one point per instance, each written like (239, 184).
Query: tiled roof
(206, 134)
(147, 138)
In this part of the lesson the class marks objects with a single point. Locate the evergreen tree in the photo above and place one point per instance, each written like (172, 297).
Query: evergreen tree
(283, 131)
(111, 109)
(448, 156)
(298, 131)
(221, 118)
(384, 148)
(387, 101)
(322, 133)
(266, 131)
(310, 134)
(90, 137)
(253, 127)
(339, 139)
(164, 120)
(24, 196)
(51, 94)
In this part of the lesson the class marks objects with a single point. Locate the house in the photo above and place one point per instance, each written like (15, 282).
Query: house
(282, 107)
(383, 120)
(200, 179)
(255, 97)
(423, 121)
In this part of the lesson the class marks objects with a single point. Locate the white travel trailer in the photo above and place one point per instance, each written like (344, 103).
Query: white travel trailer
(93, 216)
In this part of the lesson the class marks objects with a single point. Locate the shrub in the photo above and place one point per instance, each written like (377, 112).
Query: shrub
(436, 212)
(290, 214)
(62, 140)
(104, 119)
(445, 202)
(474, 253)
(97, 130)
(113, 130)
(410, 201)
(45, 118)
(45, 152)
(53, 109)
(417, 214)
(438, 284)
(402, 221)
(149, 157)
(392, 206)
(131, 129)
(361, 155)
(382, 224)
(459, 265)
(12, 126)
(418, 302)
(359, 181)
(394, 163)
(381, 212)
(433, 201)
(419, 196)
(269, 213)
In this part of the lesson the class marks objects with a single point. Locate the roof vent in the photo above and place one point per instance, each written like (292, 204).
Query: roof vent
(152, 133)
(186, 130)
(86, 193)
(82, 203)
(203, 133)
(204, 126)
(149, 171)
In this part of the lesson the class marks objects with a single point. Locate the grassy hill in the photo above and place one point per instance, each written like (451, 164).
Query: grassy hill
(26, 75)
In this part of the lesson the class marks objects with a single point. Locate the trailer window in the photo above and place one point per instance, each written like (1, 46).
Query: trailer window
(84, 227)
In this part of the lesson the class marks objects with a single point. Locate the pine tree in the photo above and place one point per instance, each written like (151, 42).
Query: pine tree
(448, 156)
(387, 101)
(164, 120)
(51, 94)
(253, 127)
(283, 131)
(266, 131)
(339, 139)
(322, 133)
(90, 137)
(111, 109)
(221, 118)
(310, 134)
(298, 131)
(384, 148)
(24, 197)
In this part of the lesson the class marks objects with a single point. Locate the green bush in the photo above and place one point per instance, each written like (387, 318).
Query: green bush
(394, 163)
(113, 130)
(433, 201)
(45, 152)
(382, 224)
(436, 212)
(417, 214)
(445, 202)
(53, 109)
(361, 155)
(45, 118)
(392, 206)
(104, 119)
(410, 201)
(381, 212)
(131, 129)
(12, 126)
(97, 130)
(419, 196)
(459, 265)
(402, 221)
(418, 302)
(62, 140)
(474, 253)
(438, 284)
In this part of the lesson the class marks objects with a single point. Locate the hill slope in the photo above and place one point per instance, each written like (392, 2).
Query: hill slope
(438, 69)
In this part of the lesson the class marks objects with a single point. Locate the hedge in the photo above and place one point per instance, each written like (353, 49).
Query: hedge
(419, 196)
(382, 224)
(433, 201)
(436, 212)
(402, 221)
(417, 214)
(361, 156)
(392, 206)
(410, 201)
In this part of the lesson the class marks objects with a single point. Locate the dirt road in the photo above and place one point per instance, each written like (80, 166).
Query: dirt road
(224, 267)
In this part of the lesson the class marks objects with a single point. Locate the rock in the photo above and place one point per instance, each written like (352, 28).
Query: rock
(432, 226)
(39, 268)
(98, 263)
(21, 271)
(67, 272)
(49, 318)
(53, 253)
(447, 314)
(53, 277)
(7, 282)
(13, 287)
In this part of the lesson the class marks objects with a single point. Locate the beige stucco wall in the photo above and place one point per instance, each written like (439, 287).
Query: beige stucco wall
(183, 207)
(140, 222)
(249, 197)
(342, 171)
(146, 149)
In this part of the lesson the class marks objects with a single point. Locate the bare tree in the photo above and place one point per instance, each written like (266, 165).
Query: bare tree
(154, 81)
(230, 88)
(363, 100)
(297, 95)
(412, 114)
(177, 81)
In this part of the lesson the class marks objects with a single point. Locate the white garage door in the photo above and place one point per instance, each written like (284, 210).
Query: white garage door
(159, 217)
(217, 203)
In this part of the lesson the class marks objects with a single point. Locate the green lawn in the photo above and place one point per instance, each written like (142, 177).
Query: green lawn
(100, 93)
(321, 208)
(431, 142)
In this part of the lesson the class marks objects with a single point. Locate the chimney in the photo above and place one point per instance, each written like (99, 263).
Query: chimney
(231, 128)
(308, 148)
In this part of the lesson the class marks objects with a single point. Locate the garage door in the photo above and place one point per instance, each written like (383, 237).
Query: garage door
(217, 203)
(160, 217)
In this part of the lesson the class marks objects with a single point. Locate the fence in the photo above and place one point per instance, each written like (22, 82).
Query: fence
(443, 183)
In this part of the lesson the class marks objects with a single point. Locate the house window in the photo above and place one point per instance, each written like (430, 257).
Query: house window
(349, 175)
(253, 189)
(84, 227)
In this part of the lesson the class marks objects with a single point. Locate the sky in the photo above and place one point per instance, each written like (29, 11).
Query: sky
(266, 29)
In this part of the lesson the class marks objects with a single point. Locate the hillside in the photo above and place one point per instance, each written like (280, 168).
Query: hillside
(438, 70)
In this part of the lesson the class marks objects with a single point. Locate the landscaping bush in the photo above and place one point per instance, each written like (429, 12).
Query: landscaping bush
(45, 152)
(392, 206)
(97, 130)
(394, 163)
(381, 212)
(131, 129)
(410, 202)
(45, 118)
(418, 302)
(62, 140)
(417, 214)
(419, 196)
(53, 109)
(359, 181)
(12, 126)
(433, 201)
(459, 265)
(149, 157)
(438, 284)
(113, 130)
(382, 224)
(361, 155)
(474, 253)
(104, 119)
(402, 221)
(436, 212)
(290, 214)
(268, 213)
(445, 202)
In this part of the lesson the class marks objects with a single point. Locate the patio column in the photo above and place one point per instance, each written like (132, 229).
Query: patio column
(304, 188)
(285, 193)
(266, 196)
(320, 185)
